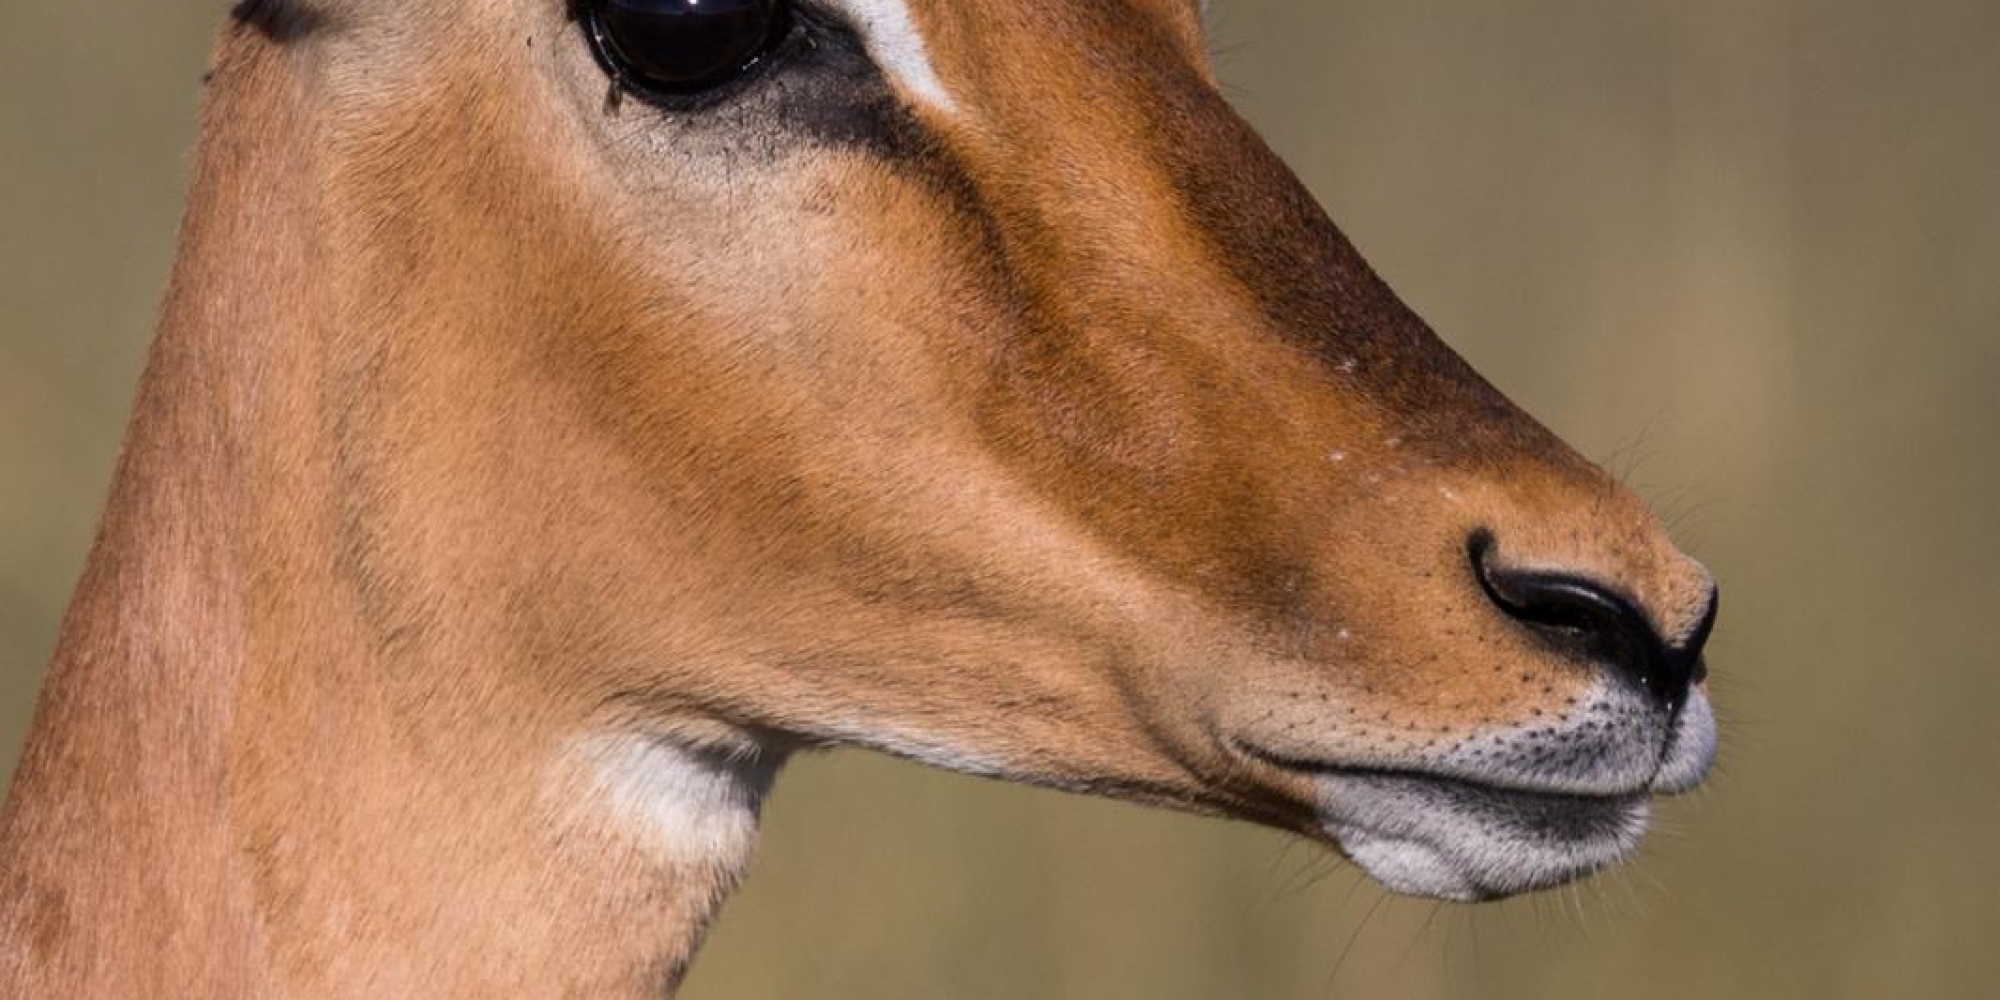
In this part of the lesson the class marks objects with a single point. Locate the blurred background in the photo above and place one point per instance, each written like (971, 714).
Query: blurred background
(1746, 253)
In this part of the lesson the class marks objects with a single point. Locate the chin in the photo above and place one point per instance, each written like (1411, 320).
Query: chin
(1498, 824)
(1448, 839)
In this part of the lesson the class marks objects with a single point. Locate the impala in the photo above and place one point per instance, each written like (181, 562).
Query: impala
(562, 414)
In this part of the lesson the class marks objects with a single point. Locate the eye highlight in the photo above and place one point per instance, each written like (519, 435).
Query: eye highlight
(682, 46)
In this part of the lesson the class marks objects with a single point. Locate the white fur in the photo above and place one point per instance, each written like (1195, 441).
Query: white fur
(694, 805)
(1421, 843)
(1608, 743)
(898, 47)
(1691, 750)
(1441, 839)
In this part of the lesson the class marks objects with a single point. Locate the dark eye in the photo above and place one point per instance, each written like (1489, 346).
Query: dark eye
(682, 45)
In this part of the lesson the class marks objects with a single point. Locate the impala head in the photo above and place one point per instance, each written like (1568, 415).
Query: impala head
(966, 380)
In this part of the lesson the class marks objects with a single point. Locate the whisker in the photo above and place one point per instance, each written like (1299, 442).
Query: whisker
(1341, 962)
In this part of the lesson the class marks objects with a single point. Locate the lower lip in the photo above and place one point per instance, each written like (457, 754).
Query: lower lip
(1464, 840)
(1526, 797)
(1551, 815)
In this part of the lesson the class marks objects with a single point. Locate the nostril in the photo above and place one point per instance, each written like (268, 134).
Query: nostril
(1593, 618)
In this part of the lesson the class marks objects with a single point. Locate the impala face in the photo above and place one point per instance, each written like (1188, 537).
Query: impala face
(967, 380)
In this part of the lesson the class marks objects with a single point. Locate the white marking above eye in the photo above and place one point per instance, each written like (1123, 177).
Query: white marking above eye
(898, 48)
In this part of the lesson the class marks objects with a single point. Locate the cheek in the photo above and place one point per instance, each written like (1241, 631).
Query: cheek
(780, 275)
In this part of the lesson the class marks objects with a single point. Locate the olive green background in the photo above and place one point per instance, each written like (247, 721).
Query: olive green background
(1746, 252)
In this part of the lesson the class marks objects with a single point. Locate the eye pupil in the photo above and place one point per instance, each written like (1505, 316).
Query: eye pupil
(681, 45)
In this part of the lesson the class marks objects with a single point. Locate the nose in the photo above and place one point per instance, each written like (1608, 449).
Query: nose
(1598, 621)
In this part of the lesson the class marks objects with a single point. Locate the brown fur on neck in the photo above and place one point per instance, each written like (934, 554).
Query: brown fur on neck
(261, 766)
(520, 476)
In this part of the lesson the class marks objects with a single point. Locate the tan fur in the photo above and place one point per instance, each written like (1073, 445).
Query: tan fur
(482, 424)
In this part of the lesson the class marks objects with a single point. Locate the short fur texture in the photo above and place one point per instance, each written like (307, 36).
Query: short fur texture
(520, 475)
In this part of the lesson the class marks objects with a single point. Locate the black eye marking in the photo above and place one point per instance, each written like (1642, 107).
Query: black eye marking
(813, 85)
(678, 48)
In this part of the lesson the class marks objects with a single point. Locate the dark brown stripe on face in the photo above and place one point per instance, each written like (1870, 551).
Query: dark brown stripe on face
(1263, 231)
(1268, 232)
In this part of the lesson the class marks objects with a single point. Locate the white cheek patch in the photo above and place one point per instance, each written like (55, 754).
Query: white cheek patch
(895, 44)
(692, 806)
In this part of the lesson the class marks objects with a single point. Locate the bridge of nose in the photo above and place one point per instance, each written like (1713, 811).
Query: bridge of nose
(1172, 250)
(1104, 151)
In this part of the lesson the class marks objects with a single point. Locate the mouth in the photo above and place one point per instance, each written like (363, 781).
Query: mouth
(1447, 837)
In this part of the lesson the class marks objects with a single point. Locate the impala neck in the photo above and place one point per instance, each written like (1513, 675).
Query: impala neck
(270, 763)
